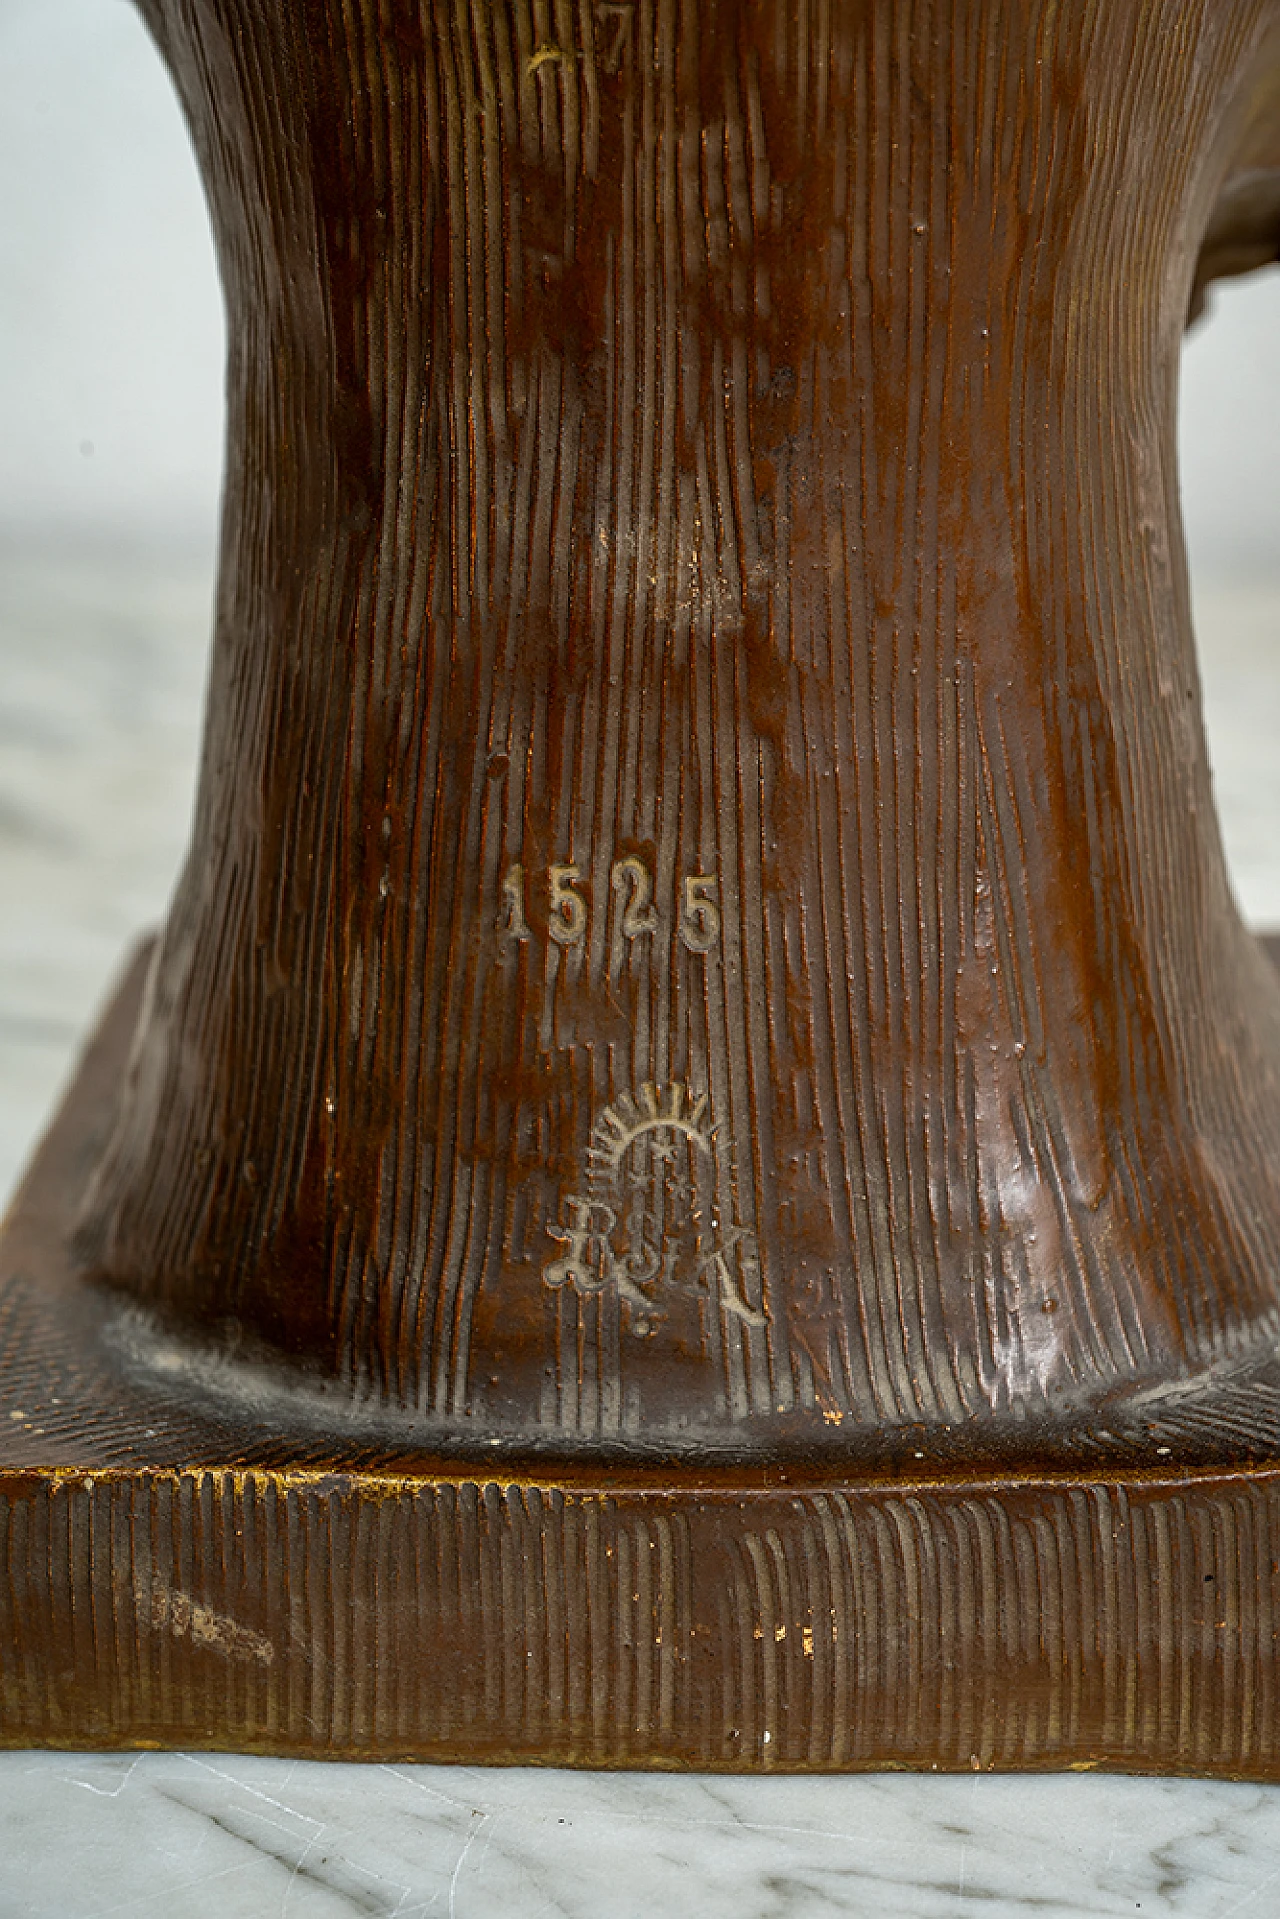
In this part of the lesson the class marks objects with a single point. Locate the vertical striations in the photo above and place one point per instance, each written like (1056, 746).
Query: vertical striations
(975, 1626)
(705, 909)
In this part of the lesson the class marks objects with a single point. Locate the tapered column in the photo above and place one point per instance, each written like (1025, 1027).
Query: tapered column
(705, 916)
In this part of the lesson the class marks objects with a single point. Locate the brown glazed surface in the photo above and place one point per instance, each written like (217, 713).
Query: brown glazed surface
(207, 1568)
(706, 919)
(697, 1181)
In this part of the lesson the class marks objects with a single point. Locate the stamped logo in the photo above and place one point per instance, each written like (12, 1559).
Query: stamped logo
(645, 1222)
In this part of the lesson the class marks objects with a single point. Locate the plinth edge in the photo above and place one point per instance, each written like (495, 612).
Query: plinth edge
(176, 1576)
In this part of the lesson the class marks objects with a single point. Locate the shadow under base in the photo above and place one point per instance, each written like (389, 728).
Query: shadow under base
(185, 1571)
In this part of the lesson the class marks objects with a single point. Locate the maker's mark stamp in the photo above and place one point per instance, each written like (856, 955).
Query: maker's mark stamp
(645, 1223)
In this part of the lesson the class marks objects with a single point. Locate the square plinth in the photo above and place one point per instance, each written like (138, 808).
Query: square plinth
(180, 1573)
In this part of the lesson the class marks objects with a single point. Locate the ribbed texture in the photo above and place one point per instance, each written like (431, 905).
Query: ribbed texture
(705, 903)
(977, 1626)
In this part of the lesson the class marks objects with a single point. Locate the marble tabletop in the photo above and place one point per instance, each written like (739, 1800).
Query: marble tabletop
(102, 659)
(194, 1836)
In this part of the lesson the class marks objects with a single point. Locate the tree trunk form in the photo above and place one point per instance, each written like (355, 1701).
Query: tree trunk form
(697, 1181)
(706, 924)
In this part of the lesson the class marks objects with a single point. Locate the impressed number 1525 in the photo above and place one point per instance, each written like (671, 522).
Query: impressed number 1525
(632, 882)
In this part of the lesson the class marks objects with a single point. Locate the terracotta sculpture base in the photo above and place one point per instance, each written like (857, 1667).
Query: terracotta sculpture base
(186, 1566)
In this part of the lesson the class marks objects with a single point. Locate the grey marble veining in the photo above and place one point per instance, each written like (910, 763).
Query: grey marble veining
(102, 661)
(212, 1837)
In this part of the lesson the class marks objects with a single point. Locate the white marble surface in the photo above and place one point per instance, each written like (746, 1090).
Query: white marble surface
(222, 1838)
(101, 668)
